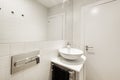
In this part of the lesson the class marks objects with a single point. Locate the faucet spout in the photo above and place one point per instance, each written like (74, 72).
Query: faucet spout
(68, 45)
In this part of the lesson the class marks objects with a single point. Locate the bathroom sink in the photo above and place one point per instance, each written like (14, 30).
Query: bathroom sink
(70, 53)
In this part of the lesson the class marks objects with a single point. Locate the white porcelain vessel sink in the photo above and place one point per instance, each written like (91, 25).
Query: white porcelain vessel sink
(70, 53)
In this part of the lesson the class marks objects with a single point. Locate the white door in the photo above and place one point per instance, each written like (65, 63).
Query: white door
(56, 26)
(101, 23)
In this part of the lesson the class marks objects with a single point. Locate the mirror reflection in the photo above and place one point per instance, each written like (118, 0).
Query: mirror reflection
(60, 21)
(35, 20)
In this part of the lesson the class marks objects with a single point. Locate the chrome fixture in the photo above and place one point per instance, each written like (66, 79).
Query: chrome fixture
(68, 45)
(24, 61)
(88, 47)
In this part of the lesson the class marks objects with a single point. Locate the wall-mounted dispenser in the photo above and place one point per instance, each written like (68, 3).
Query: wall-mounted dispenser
(24, 61)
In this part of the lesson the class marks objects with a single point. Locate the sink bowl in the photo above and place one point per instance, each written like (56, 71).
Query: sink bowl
(70, 53)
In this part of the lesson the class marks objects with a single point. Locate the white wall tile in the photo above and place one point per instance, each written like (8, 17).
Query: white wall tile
(52, 44)
(32, 46)
(48, 50)
(4, 50)
(43, 44)
(5, 68)
(18, 76)
(17, 48)
(44, 67)
(33, 73)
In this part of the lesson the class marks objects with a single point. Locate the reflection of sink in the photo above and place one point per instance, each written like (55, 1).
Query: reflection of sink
(70, 53)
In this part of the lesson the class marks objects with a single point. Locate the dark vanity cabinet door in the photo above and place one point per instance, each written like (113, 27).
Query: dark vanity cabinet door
(59, 73)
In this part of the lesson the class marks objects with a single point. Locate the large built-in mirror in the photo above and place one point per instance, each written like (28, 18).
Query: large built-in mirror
(32, 20)
(60, 21)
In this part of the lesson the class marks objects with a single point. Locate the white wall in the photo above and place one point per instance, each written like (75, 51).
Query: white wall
(15, 28)
(48, 50)
(24, 34)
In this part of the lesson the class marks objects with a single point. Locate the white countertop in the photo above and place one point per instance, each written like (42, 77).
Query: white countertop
(73, 65)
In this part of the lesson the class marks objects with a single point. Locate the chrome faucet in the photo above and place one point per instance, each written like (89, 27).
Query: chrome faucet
(68, 45)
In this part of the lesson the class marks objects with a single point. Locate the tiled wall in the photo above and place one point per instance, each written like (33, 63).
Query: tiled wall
(48, 50)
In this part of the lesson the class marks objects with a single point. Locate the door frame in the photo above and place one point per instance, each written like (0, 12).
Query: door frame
(82, 27)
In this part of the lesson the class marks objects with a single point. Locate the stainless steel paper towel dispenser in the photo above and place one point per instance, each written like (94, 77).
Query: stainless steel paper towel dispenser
(24, 61)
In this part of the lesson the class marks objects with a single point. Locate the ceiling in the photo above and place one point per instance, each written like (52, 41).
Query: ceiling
(50, 3)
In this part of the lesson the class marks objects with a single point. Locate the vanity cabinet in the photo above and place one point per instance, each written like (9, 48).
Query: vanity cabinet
(62, 69)
(62, 73)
